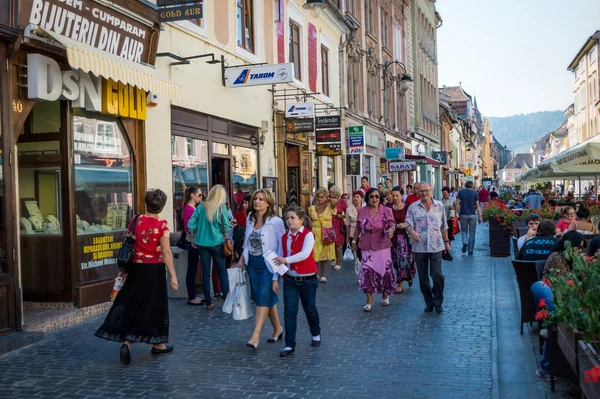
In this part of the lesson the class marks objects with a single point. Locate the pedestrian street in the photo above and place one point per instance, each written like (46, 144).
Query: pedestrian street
(472, 350)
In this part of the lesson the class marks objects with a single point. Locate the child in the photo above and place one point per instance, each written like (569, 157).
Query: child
(300, 281)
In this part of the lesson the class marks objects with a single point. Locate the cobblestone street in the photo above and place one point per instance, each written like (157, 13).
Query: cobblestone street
(393, 352)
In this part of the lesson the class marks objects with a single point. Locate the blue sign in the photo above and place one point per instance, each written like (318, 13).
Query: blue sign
(392, 154)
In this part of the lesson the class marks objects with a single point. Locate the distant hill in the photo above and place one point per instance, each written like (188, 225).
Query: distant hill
(519, 132)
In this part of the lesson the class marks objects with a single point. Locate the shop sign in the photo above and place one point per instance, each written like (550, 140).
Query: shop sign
(440, 156)
(402, 166)
(302, 110)
(259, 75)
(353, 164)
(299, 125)
(300, 138)
(328, 122)
(91, 23)
(180, 13)
(306, 171)
(45, 81)
(99, 250)
(328, 135)
(164, 3)
(395, 153)
(329, 149)
(356, 139)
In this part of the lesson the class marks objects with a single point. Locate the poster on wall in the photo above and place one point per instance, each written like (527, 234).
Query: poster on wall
(353, 164)
(97, 254)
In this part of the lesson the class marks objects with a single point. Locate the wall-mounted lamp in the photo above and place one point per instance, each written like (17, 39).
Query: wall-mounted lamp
(402, 78)
(315, 7)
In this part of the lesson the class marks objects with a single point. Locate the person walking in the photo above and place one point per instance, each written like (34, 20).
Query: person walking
(264, 230)
(321, 217)
(191, 199)
(469, 213)
(533, 200)
(450, 208)
(408, 191)
(352, 216)
(209, 224)
(300, 281)
(484, 196)
(140, 312)
(364, 184)
(374, 228)
(402, 256)
(338, 209)
(413, 196)
(428, 228)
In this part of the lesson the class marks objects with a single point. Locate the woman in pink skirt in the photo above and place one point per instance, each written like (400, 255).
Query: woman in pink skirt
(338, 210)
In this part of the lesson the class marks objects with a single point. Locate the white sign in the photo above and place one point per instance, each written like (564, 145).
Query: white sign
(45, 81)
(259, 75)
(301, 110)
(402, 166)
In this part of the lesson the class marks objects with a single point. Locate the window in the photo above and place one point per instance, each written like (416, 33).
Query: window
(353, 84)
(245, 25)
(245, 168)
(387, 106)
(351, 7)
(592, 55)
(325, 70)
(369, 17)
(372, 95)
(397, 43)
(384, 29)
(197, 21)
(294, 50)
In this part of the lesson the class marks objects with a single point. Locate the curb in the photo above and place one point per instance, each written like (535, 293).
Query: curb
(495, 382)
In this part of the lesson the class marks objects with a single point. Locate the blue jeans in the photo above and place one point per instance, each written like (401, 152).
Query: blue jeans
(190, 276)
(306, 291)
(215, 254)
(468, 227)
(539, 290)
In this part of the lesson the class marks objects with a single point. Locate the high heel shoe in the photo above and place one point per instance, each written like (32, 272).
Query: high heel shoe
(125, 355)
(251, 345)
(276, 338)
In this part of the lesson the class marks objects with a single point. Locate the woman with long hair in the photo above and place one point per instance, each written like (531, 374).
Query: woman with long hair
(402, 256)
(264, 230)
(191, 199)
(321, 217)
(583, 225)
(338, 208)
(140, 312)
(209, 224)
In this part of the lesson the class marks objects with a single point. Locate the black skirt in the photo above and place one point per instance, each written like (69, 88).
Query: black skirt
(140, 312)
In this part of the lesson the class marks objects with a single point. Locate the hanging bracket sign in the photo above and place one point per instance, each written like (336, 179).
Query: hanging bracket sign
(329, 149)
(258, 75)
(294, 125)
(356, 139)
(180, 13)
(402, 166)
(328, 136)
(301, 110)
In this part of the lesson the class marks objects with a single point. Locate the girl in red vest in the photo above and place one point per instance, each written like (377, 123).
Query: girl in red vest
(300, 281)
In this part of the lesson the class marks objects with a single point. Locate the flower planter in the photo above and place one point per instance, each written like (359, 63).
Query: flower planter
(499, 240)
(588, 359)
(567, 341)
(558, 364)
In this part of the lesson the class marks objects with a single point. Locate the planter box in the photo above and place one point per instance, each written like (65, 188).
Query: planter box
(567, 341)
(588, 358)
(499, 240)
(559, 367)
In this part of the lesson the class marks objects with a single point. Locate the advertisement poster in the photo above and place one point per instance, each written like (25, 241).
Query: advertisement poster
(353, 164)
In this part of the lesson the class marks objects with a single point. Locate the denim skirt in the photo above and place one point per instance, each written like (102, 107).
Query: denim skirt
(261, 282)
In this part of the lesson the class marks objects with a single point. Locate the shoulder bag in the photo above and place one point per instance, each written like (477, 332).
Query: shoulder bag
(181, 243)
(227, 242)
(125, 255)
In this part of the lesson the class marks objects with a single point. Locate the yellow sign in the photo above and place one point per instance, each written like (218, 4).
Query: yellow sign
(102, 247)
(123, 100)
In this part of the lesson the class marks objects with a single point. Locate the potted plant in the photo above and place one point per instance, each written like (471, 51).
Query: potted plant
(500, 220)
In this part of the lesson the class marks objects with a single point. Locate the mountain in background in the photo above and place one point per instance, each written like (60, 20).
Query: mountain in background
(519, 132)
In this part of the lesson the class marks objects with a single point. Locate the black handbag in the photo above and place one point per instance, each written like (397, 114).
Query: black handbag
(181, 243)
(125, 255)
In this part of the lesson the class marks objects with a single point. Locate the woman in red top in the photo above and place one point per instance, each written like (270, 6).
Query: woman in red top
(140, 312)
(300, 281)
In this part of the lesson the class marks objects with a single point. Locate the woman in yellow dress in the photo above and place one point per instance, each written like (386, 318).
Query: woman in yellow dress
(321, 217)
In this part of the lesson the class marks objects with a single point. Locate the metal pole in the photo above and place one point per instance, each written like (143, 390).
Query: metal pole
(580, 186)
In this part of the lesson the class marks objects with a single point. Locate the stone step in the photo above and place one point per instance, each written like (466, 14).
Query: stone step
(47, 319)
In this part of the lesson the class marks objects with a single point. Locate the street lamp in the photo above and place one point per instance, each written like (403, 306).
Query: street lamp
(315, 7)
(403, 78)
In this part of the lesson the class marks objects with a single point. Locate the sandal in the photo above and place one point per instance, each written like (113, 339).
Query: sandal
(323, 280)
(367, 308)
(337, 267)
(385, 302)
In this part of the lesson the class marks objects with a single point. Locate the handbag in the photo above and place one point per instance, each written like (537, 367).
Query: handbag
(328, 235)
(119, 282)
(181, 243)
(455, 227)
(227, 242)
(125, 255)
(243, 308)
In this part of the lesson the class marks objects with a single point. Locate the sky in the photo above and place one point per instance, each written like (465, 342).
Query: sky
(513, 54)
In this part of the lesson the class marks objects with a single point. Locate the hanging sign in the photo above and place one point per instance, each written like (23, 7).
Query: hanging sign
(180, 13)
(328, 122)
(299, 125)
(353, 164)
(440, 156)
(356, 139)
(402, 166)
(297, 138)
(259, 75)
(302, 110)
(394, 154)
(306, 171)
(328, 135)
(329, 149)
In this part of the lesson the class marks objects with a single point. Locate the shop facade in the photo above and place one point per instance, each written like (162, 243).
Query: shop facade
(79, 100)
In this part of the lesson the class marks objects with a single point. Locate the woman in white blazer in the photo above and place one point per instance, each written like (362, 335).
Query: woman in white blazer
(263, 235)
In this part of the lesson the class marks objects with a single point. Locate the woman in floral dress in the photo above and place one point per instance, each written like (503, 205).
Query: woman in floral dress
(402, 256)
(321, 217)
(338, 208)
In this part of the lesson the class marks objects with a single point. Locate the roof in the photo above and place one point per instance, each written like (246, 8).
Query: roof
(520, 161)
(540, 145)
(589, 43)
(455, 93)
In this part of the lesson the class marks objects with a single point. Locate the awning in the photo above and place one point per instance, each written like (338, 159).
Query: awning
(103, 180)
(422, 158)
(109, 66)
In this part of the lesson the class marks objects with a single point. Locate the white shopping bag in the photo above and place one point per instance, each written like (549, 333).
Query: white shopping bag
(357, 266)
(232, 276)
(242, 309)
(348, 258)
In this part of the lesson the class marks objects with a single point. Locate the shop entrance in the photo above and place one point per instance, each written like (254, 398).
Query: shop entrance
(221, 171)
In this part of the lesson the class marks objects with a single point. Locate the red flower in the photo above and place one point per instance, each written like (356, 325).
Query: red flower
(589, 258)
(509, 228)
(498, 220)
(542, 315)
(571, 283)
(542, 302)
(547, 283)
(593, 374)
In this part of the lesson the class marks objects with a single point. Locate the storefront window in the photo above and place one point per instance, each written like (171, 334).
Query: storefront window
(39, 193)
(46, 117)
(330, 170)
(103, 175)
(190, 166)
(245, 168)
(220, 148)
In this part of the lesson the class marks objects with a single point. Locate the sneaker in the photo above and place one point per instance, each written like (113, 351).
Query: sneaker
(464, 248)
(218, 296)
(544, 333)
(540, 373)
(470, 252)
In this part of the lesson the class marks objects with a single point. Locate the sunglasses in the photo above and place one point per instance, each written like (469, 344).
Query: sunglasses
(374, 196)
